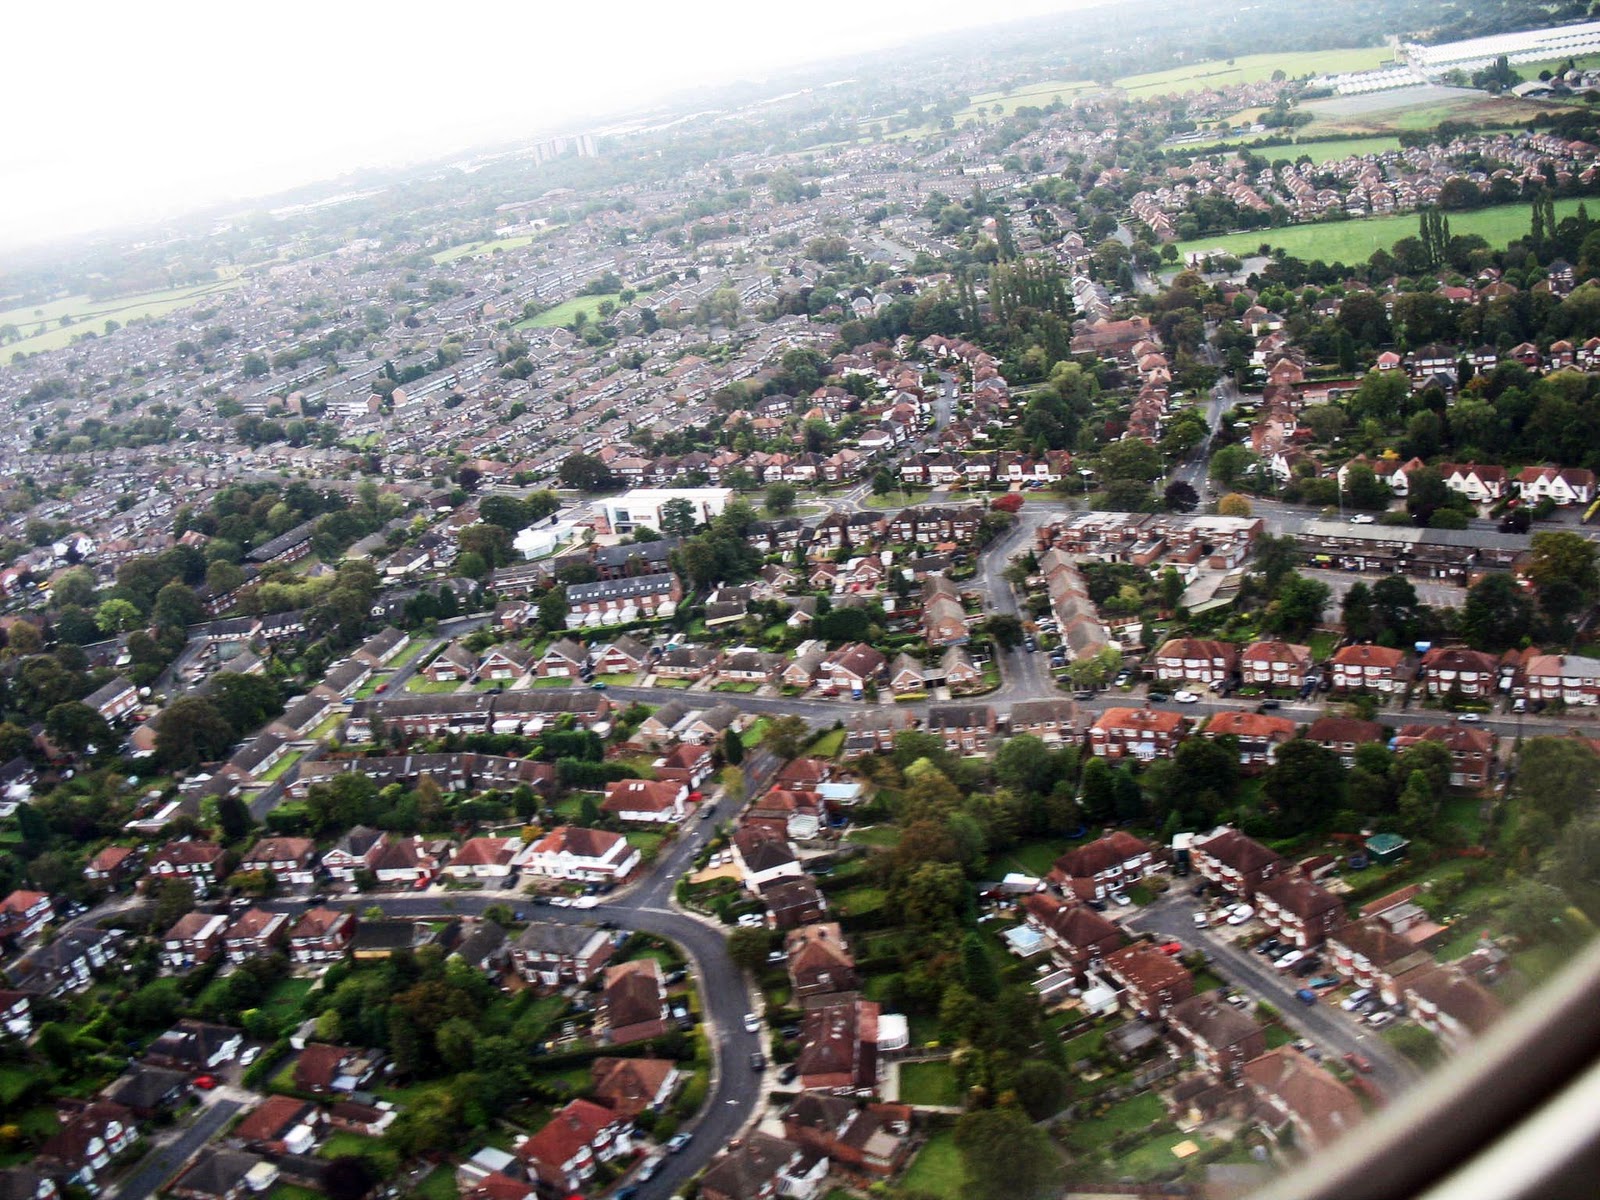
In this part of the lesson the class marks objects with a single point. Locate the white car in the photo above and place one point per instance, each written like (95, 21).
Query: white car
(1200, 921)
(1362, 519)
(561, 901)
(1468, 718)
(1380, 1018)
(1289, 959)
(1240, 914)
(1120, 899)
(752, 1023)
(249, 1056)
(1353, 1001)
(585, 902)
(1186, 697)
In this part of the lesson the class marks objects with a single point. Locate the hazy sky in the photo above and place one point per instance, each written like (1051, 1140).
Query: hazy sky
(122, 112)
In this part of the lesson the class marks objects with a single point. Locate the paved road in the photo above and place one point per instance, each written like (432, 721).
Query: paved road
(1325, 1024)
(163, 1162)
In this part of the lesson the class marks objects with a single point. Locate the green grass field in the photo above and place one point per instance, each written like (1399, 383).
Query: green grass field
(566, 312)
(1036, 95)
(475, 248)
(1407, 113)
(1092, 1136)
(1333, 151)
(928, 1083)
(1354, 241)
(1254, 68)
(45, 332)
(937, 1169)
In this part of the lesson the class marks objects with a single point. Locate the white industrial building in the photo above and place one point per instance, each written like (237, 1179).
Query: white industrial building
(642, 506)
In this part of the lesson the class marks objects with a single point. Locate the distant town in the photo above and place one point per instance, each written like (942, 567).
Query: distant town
(1024, 634)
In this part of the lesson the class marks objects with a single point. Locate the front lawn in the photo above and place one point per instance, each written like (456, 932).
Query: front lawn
(646, 841)
(752, 737)
(427, 687)
(828, 745)
(929, 1083)
(282, 765)
(440, 1184)
(937, 1169)
(383, 1158)
(874, 835)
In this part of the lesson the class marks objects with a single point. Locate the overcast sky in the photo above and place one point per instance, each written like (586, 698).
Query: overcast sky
(122, 112)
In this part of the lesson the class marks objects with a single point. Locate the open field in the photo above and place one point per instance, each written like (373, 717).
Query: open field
(489, 247)
(1035, 94)
(1320, 151)
(566, 312)
(1420, 107)
(1354, 241)
(929, 1083)
(1530, 71)
(47, 333)
(1253, 68)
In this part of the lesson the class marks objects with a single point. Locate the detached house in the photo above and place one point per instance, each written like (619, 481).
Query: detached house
(1472, 750)
(1459, 670)
(1080, 937)
(634, 1003)
(554, 956)
(819, 962)
(1258, 735)
(565, 1154)
(645, 801)
(1141, 733)
(868, 1142)
(839, 1046)
(1293, 1091)
(763, 1167)
(572, 852)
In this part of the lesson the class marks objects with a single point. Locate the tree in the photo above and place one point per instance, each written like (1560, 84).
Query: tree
(174, 898)
(233, 818)
(586, 473)
(882, 482)
(1496, 615)
(1363, 489)
(1556, 777)
(780, 498)
(1298, 605)
(932, 895)
(191, 731)
(553, 609)
(1560, 556)
(348, 1177)
(748, 948)
(1230, 464)
(732, 747)
(786, 736)
(677, 517)
(1533, 910)
(1233, 505)
(1180, 496)
(75, 587)
(116, 616)
(978, 974)
(1005, 629)
(75, 726)
(1024, 764)
(1305, 783)
(1005, 1155)
(1041, 1088)
(177, 604)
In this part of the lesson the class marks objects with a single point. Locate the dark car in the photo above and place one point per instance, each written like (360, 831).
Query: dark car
(1268, 706)
(758, 1061)
(788, 1074)
(1359, 1062)
(1156, 697)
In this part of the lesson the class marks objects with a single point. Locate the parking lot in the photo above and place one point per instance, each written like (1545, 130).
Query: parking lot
(1333, 1031)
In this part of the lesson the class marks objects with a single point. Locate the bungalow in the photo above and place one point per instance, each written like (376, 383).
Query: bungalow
(907, 675)
(661, 726)
(852, 668)
(745, 665)
(148, 1091)
(633, 1006)
(571, 852)
(407, 861)
(454, 664)
(688, 662)
(564, 658)
(192, 1045)
(624, 656)
(485, 858)
(555, 956)
(506, 661)
(645, 801)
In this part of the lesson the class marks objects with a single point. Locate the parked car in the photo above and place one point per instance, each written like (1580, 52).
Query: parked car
(1122, 678)
(758, 1061)
(1173, 948)
(789, 1074)
(1120, 899)
(1306, 996)
(1239, 914)
(1468, 718)
(599, 685)
(249, 1056)
(752, 1022)
(1200, 921)
(777, 956)
(1379, 1019)
(1268, 706)
(1324, 981)
(1353, 1001)
(1186, 697)
(1156, 697)
(1362, 519)
(205, 1082)
(678, 1141)
(648, 1168)
(1359, 1061)
(1289, 960)
(1268, 946)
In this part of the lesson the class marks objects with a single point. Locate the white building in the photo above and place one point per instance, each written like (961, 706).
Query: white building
(642, 506)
